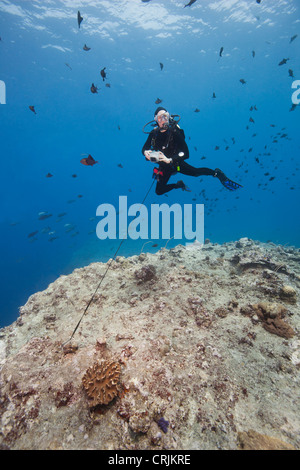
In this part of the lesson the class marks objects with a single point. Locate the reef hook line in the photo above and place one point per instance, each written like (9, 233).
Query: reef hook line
(100, 282)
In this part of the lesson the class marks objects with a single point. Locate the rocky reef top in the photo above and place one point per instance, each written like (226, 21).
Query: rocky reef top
(204, 341)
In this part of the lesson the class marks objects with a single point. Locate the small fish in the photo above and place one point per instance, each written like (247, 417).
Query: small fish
(293, 107)
(74, 176)
(251, 120)
(79, 18)
(214, 95)
(196, 110)
(253, 54)
(32, 109)
(49, 175)
(154, 245)
(291, 73)
(161, 65)
(86, 48)
(62, 214)
(243, 81)
(32, 234)
(120, 165)
(103, 73)
(94, 89)
(221, 51)
(158, 101)
(283, 61)
(107, 85)
(68, 65)
(190, 3)
(293, 38)
(89, 161)
(44, 215)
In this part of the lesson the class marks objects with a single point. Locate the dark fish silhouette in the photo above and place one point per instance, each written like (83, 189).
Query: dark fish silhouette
(158, 101)
(293, 38)
(103, 73)
(291, 73)
(32, 109)
(79, 18)
(221, 51)
(196, 110)
(120, 165)
(190, 3)
(161, 66)
(258, 1)
(86, 48)
(94, 89)
(214, 95)
(32, 234)
(251, 120)
(283, 61)
(49, 175)
(253, 54)
(243, 81)
(89, 161)
(68, 65)
(44, 215)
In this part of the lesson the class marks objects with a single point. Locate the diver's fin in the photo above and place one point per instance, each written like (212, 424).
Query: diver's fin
(180, 184)
(227, 183)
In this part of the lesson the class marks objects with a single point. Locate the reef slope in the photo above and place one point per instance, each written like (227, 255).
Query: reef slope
(207, 340)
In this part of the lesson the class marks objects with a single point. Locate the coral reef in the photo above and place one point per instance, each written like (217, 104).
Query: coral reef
(101, 382)
(199, 341)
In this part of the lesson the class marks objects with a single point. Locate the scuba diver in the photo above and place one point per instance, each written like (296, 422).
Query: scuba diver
(166, 146)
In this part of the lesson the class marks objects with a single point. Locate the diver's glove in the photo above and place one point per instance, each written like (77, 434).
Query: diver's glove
(229, 184)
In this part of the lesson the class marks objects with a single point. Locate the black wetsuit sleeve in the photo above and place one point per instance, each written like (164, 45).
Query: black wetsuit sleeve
(147, 144)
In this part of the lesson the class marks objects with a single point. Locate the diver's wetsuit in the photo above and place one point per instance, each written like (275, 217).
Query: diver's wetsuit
(171, 143)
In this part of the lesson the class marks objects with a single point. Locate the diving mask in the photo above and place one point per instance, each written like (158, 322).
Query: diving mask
(162, 117)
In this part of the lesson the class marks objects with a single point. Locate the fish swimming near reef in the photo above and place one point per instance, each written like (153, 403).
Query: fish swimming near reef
(94, 89)
(89, 161)
(103, 73)
(190, 3)
(79, 18)
(32, 234)
(283, 61)
(44, 215)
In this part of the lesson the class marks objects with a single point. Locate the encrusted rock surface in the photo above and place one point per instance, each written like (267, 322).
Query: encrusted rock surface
(206, 338)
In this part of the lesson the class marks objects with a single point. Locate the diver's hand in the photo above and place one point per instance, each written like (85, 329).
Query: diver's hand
(147, 154)
(163, 158)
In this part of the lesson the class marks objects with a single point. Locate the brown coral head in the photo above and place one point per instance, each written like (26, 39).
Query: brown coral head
(101, 382)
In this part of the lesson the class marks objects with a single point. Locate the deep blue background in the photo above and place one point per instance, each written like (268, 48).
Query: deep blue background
(130, 39)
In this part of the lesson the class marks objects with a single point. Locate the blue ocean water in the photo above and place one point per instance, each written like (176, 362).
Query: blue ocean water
(43, 64)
